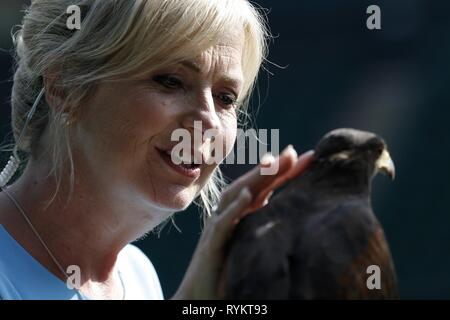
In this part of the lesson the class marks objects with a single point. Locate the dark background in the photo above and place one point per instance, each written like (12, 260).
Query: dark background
(393, 81)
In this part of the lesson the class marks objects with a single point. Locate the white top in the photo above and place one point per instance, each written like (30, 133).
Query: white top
(23, 277)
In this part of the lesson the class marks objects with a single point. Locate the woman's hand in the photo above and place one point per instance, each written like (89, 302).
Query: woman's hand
(248, 193)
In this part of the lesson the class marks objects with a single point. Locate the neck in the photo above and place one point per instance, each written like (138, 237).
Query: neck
(89, 229)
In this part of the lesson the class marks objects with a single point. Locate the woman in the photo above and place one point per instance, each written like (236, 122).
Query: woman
(98, 176)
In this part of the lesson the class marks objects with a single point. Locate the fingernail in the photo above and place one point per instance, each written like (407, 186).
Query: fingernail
(290, 149)
(307, 154)
(267, 159)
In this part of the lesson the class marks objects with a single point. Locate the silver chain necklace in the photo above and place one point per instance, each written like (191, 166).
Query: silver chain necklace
(58, 265)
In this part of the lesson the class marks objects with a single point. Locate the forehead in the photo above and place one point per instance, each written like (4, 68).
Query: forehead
(224, 58)
(228, 50)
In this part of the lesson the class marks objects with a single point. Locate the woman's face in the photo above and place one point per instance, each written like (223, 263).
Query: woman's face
(125, 128)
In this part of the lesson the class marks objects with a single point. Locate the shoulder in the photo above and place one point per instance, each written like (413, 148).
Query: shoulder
(139, 275)
(7, 290)
(135, 258)
(8, 266)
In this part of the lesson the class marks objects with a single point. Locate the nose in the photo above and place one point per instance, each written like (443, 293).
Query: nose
(200, 117)
(201, 110)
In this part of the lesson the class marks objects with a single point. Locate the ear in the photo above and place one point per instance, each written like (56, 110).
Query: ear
(53, 94)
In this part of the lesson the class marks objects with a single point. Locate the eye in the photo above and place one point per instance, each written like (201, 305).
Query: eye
(168, 81)
(226, 99)
(380, 151)
(377, 148)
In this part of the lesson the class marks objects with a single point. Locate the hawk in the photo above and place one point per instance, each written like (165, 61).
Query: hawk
(318, 237)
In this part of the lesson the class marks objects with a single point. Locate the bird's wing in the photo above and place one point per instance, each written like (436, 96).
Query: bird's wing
(375, 258)
(257, 264)
(337, 248)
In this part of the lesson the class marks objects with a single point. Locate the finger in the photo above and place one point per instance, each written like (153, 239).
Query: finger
(257, 182)
(301, 165)
(267, 198)
(225, 222)
(256, 204)
(236, 208)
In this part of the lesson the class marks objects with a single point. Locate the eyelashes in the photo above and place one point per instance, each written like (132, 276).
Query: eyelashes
(227, 99)
(170, 82)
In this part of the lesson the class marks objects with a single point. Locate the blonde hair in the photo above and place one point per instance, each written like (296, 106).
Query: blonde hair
(117, 38)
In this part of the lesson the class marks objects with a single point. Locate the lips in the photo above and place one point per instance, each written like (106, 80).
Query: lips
(190, 170)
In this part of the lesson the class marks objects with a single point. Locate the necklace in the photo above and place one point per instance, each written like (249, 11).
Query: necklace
(56, 262)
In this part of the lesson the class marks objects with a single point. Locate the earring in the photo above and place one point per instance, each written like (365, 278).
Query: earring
(68, 119)
(70, 122)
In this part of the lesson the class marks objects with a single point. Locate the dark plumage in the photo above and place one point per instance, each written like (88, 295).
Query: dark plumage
(316, 238)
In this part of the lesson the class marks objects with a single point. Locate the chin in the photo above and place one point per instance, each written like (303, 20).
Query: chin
(177, 198)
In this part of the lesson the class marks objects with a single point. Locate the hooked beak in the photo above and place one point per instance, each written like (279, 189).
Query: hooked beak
(385, 164)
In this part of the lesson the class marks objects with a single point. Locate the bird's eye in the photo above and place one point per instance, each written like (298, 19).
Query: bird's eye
(380, 151)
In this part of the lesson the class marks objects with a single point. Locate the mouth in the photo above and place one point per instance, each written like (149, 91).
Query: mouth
(190, 170)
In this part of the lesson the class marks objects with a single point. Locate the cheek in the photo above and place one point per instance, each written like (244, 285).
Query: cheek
(143, 117)
(152, 113)
(120, 122)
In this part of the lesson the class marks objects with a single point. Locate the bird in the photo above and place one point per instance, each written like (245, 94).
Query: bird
(318, 238)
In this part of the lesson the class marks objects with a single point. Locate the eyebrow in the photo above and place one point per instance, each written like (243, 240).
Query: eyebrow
(191, 65)
(195, 67)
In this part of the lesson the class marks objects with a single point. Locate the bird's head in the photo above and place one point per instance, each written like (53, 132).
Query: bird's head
(350, 152)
